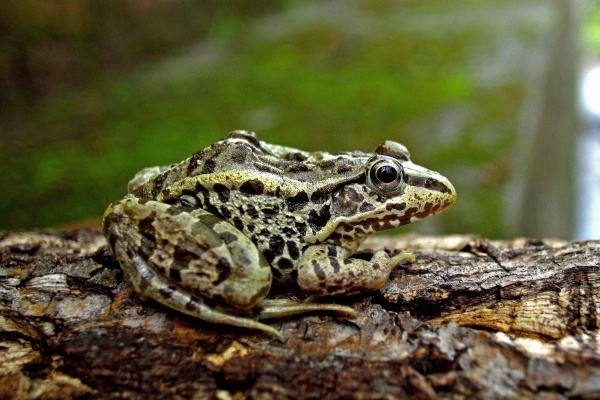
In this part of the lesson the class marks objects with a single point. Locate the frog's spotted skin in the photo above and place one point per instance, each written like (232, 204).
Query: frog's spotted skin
(207, 236)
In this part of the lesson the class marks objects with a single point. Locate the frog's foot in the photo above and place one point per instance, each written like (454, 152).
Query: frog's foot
(277, 308)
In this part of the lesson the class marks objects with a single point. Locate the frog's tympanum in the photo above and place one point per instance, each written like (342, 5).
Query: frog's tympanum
(209, 236)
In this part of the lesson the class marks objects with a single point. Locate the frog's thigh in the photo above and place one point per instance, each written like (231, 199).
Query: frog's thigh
(170, 255)
(326, 270)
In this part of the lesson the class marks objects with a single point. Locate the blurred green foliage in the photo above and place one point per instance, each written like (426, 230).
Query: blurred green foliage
(591, 26)
(164, 86)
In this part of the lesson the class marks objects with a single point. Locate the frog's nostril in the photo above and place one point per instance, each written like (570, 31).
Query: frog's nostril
(438, 185)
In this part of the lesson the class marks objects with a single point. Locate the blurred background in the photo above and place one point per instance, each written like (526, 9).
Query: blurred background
(501, 97)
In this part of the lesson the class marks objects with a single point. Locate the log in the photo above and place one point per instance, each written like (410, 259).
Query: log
(471, 318)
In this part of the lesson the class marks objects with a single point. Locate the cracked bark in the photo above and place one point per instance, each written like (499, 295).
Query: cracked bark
(469, 319)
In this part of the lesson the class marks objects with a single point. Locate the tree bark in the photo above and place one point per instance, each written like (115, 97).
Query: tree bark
(469, 319)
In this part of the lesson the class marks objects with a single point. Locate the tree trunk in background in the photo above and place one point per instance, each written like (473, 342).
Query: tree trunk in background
(545, 205)
(468, 319)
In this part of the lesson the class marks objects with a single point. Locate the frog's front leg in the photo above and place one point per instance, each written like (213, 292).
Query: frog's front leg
(188, 260)
(328, 270)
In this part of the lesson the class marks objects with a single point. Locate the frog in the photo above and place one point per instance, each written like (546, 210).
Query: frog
(210, 236)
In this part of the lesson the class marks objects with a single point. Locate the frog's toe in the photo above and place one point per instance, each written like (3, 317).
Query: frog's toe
(403, 258)
(280, 309)
(271, 331)
(251, 323)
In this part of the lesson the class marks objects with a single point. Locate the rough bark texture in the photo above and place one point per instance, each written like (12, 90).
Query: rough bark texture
(470, 319)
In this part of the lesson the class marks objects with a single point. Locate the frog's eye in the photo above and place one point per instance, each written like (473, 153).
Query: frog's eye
(385, 175)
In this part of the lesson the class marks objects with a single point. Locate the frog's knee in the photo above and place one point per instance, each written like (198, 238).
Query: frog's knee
(246, 298)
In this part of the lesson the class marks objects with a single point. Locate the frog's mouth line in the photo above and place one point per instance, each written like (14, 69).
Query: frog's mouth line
(403, 217)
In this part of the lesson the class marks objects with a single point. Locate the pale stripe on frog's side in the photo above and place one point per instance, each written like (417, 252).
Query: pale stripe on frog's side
(209, 235)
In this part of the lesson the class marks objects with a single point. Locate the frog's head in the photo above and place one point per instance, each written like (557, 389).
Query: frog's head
(391, 192)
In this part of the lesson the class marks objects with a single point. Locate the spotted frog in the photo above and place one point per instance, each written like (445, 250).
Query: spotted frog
(210, 235)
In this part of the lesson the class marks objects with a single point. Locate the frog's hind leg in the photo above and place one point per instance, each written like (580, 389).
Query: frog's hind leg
(152, 285)
(277, 308)
(162, 250)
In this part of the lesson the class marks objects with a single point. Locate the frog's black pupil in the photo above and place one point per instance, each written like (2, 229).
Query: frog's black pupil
(387, 174)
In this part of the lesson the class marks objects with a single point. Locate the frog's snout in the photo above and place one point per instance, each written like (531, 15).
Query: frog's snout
(427, 191)
(447, 188)
(442, 192)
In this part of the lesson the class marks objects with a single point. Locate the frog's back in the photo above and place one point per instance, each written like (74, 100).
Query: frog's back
(242, 151)
(236, 151)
